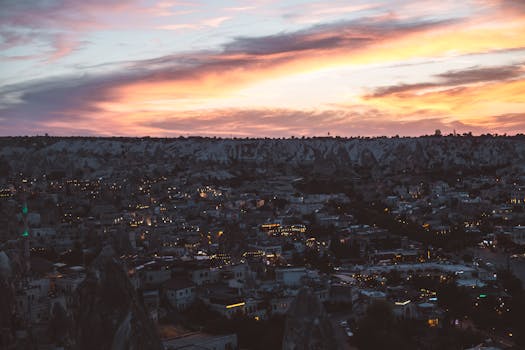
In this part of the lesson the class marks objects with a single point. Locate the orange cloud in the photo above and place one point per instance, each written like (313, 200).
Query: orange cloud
(246, 63)
(474, 104)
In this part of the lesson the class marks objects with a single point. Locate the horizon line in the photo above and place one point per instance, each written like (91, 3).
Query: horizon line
(291, 137)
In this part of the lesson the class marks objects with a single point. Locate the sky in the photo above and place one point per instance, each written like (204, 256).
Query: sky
(261, 68)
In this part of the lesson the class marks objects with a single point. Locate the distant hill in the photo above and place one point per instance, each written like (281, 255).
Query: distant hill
(90, 157)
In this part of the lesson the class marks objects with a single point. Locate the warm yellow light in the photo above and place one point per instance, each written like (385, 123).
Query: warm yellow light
(235, 305)
(433, 322)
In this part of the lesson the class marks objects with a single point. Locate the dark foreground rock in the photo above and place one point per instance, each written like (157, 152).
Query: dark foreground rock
(108, 313)
(307, 325)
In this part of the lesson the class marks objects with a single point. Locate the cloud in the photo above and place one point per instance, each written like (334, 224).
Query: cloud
(240, 8)
(60, 23)
(55, 23)
(251, 123)
(456, 78)
(59, 14)
(140, 97)
(12, 39)
(506, 6)
(343, 34)
(476, 75)
(511, 123)
(472, 104)
(287, 122)
(316, 12)
(209, 22)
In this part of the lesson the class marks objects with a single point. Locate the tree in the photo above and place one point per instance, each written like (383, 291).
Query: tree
(455, 299)
(379, 329)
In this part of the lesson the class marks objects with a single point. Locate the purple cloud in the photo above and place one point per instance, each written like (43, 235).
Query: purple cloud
(457, 78)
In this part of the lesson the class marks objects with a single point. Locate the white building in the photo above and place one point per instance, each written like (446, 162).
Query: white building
(153, 274)
(180, 293)
(205, 276)
(290, 276)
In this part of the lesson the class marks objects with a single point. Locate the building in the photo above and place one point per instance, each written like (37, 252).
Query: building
(228, 306)
(153, 274)
(202, 276)
(517, 196)
(290, 276)
(180, 293)
(280, 306)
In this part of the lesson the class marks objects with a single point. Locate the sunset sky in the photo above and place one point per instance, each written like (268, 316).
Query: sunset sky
(261, 67)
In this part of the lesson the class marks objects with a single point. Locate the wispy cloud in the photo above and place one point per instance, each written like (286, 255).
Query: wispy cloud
(456, 78)
(209, 22)
(56, 23)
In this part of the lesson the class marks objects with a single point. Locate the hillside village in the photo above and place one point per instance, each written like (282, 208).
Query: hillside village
(232, 243)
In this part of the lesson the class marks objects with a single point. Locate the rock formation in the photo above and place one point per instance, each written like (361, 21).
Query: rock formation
(108, 313)
(307, 325)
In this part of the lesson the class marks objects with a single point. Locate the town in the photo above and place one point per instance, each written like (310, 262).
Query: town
(299, 243)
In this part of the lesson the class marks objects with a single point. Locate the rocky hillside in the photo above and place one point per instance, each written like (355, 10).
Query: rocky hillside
(99, 156)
